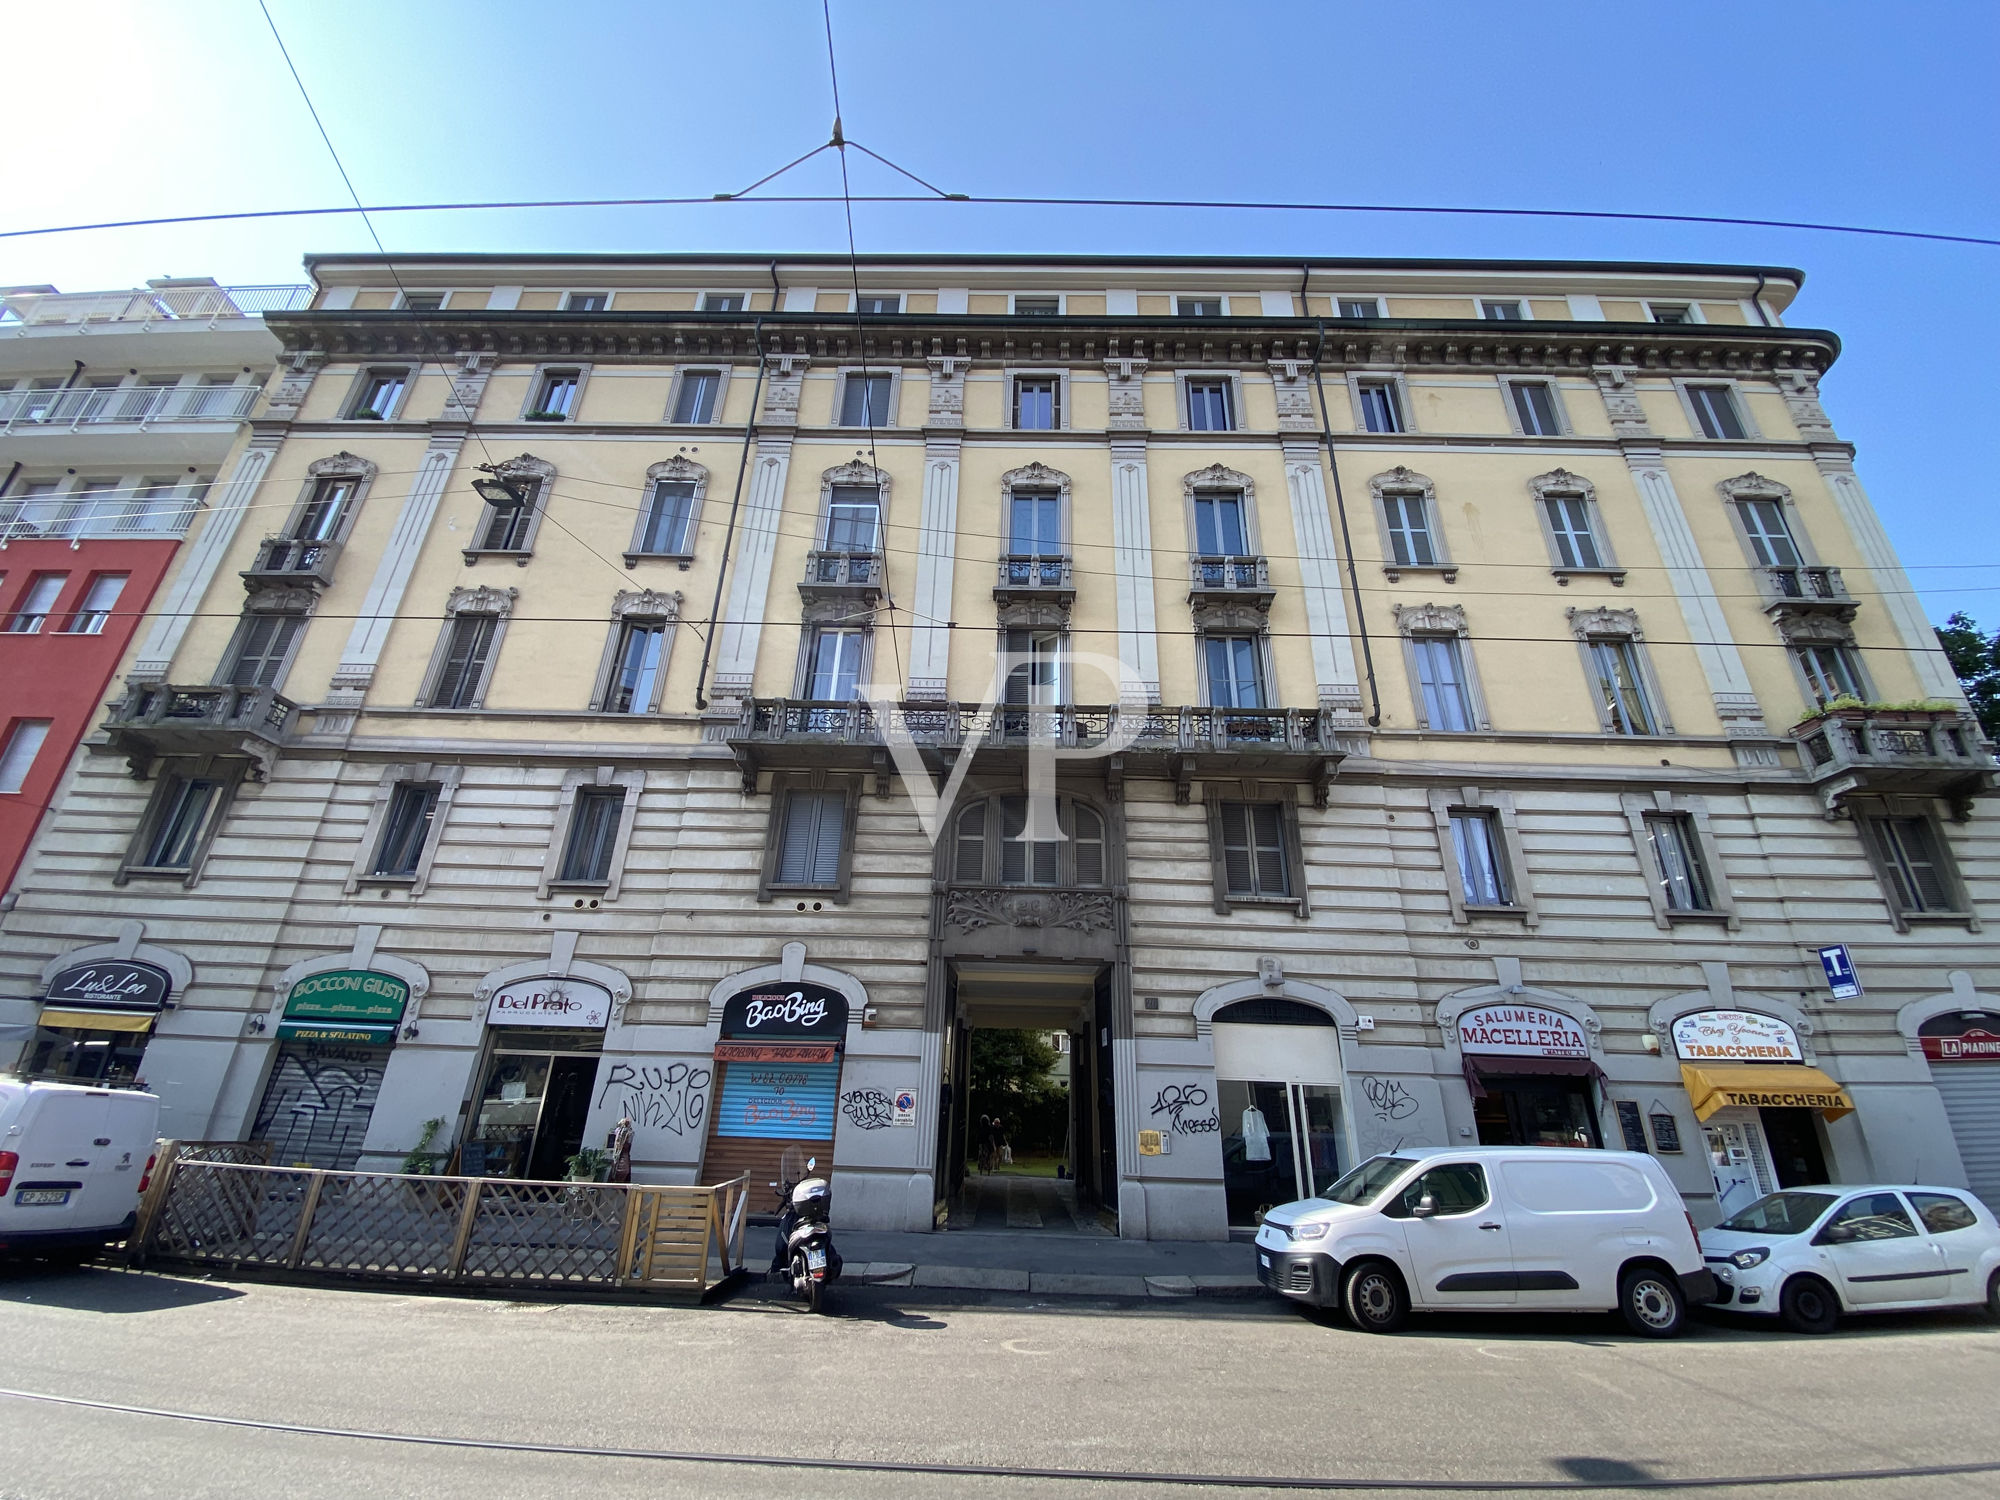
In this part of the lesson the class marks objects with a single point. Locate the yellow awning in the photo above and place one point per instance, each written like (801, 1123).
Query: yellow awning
(99, 1020)
(1716, 1086)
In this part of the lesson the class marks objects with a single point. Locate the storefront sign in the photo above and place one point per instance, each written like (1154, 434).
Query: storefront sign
(778, 1101)
(345, 1036)
(549, 1001)
(1736, 1036)
(1520, 1031)
(774, 1052)
(786, 1012)
(114, 984)
(1973, 1044)
(348, 995)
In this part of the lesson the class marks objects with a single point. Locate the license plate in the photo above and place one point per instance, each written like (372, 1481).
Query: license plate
(816, 1260)
(41, 1197)
(1264, 1261)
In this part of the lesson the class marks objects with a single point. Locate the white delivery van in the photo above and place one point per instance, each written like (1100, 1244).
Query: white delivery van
(73, 1161)
(1491, 1229)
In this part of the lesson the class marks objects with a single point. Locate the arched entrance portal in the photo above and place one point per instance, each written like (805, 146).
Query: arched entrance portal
(1278, 1087)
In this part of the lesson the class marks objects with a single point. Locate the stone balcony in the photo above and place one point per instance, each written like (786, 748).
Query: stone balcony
(156, 719)
(1221, 582)
(290, 560)
(1925, 752)
(1805, 591)
(833, 577)
(1030, 579)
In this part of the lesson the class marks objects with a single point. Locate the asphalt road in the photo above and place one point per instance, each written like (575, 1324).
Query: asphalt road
(1248, 1388)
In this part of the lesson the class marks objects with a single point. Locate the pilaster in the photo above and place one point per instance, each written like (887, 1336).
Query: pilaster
(1339, 686)
(1132, 527)
(937, 536)
(757, 531)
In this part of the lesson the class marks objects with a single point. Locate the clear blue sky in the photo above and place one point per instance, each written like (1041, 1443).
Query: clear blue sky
(1870, 114)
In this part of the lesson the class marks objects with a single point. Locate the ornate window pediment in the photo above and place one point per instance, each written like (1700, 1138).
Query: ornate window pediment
(1814, 629)
(1561, 482)
(342, 464)
(855, 471)
(1589, 623)
(679, 467)
(1430, 619)
(1753, 486)
(1218, 477)
(1035, 476)
(482, 600)
(280, 599)
(1402, 481)
(645, 604)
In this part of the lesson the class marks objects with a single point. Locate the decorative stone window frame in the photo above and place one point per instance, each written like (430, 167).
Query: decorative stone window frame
(629, 605)
(845, 373)
(1218, 478)
(1064, 412)
(366, 375)
(1520, 305)
(832, 614)
(718, 369)
(1800, 630)
(1234, 380)
(445, 778)
(594, 777)
(536, 381)
(1693, 812)
(542, 475)
(1234, 620)
(469, 601)
(1751, 432)
(854, 472)
(1754, 486)
(1218, 297)
(295, 600)
(1356, 379)
(1499, 807)
(1562, 484)
(1401, 481)
(1606, 624)
(1282, 795)
(1564, 427)
(1037, 478)
(168, 776)
(1418, 620)
(819, 779)
(441, 293)
(341, 465)
(1963, 913)
(679, 468)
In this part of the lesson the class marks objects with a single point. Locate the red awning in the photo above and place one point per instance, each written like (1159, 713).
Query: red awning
(1562, 1067)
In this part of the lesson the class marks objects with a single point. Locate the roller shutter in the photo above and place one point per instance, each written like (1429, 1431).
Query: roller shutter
(1971, 1092)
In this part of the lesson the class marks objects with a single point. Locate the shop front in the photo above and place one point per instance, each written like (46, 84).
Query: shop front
(544, 1039)
(97, 1017)
(334, 1041)
(778, 1059)
(1963, 1049)
(1531, 1076)
(1278, 1101)
(1759, 1102)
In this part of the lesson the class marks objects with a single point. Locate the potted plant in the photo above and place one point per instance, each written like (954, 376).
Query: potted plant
(422, 1161)
(588, 1165)
(547, 416)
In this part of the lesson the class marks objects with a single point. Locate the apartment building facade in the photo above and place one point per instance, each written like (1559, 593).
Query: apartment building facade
(1361, 703)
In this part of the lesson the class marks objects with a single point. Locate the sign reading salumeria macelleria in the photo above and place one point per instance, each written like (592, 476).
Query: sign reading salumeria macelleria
(548, 1001)
(1520, 1031)
(113, 984)
(1735, 1036)
(786, 1012)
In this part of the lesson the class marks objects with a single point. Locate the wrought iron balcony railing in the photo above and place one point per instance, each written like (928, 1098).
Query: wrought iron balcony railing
(1242, 574)
(285, 559)
(1925, 752)
(129, 406)
(842, 575)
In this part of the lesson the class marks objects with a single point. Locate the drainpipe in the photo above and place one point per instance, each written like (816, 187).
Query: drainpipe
(1757, 301)
(1346, 538)
(735, 500)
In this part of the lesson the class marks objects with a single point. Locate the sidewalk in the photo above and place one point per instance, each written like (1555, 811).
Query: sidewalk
(1049, 1264)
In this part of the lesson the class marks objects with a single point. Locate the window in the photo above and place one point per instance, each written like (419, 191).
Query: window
(1535, 408)
(593, 835)
(864, 399)
(1219, 529)
(854, 519)
(1672, 312)
(158, 505)
(1038, 307)
(1035, 525)
(1235, 671)
(1037, 403)
(1943, 1212)
(94, 613)
(587, 302)
(1830, 670)
(1036, 675)
(377, 396)
(320, 517)
(510, 530)
(725, 302)
(1872, 1216)
(988, 847)
(461, 681)
(1441, 679)
(406, 830)
(1475, 843)
(1459, 1188)
(833, 668)
(1683, 882)
(1918, 878)
(1570, 528)
(184, 807)
(555, 396)
(1380, 409)
(1768, 531)
(1025, 861)
(23, 745)
(668, 526)
(1360, 307)
(263, 649)
(1715, 411)
(875, 302)
(1408, 520)
(32, 510)
(1210, 408)
(815, 829)
(423, 302)
(1254, 860)
(1501, 311)
(636, 667)
(37, 601)
(1198, 307)
(1620, 692)
(695, 401)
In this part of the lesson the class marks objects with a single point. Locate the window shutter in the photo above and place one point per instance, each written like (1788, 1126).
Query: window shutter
(465, 661)
(1089, 841)
(810, 852)
(1268, 825)
(1238, 861)
(265, 643)
(1048, 862)
(969, 862)
(829, 827)
(1920, 850)
(1013, 853)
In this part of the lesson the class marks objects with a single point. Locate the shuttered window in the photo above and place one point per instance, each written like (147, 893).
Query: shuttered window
(1771, 540)
(809, 850)
(321, 518)
(1914, 863)
(507, 530)
(260, 654)
(969, 859)
(1253, 849)
(1087, 839)
(463, 678)
(1615, 664)
(593, 834)
(184, 806)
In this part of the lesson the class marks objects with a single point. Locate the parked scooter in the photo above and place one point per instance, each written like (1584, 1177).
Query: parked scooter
(805, 1250)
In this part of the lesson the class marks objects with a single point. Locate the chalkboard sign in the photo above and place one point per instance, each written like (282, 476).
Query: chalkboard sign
(1666, 1134)
(1630, 1125)
(786, 1012)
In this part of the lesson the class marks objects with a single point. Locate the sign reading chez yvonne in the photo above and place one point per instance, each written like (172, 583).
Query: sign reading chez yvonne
(114, 984)
(1520, 1031)
(798, 1012)
(352, 995)
(549, 1001)
(1736, 1036)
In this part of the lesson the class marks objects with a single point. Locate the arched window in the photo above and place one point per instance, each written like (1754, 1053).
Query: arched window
(988, 849)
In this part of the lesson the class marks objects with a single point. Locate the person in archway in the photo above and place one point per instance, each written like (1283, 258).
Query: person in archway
(984, 1141)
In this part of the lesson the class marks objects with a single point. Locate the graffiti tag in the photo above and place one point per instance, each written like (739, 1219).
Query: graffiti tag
(1180, 1101)
(1388, 1099)
(868, 1109)
(673, 1097)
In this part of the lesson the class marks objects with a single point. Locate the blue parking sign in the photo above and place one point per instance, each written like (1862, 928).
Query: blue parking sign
(1840, 975)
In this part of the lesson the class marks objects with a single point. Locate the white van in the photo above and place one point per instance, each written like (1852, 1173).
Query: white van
(73, 1162)
(1491, 1228)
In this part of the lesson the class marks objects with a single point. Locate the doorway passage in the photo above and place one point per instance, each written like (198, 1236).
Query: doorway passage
(528, 1119)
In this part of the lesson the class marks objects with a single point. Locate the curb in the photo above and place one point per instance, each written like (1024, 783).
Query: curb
(1046, 1283)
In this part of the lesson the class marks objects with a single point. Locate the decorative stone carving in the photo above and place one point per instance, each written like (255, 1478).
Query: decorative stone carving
(1035, 476)
(1295, 395)
(1216, 615)
(1752, 486)
(1083, 911)
(483, 600)
(1561, 482)
(288, 393)
(947, 399)
(1127, 391)
(679, 467)
(468, 386)
(1217, 477)
(1815, 629)
(1601, 622)
(342, 464)
(645, 604)
(855, 471)
(1429, 619)
(1800, 388)
(1621, 402)
(1401, 481)
(280, 599)
(784, 376)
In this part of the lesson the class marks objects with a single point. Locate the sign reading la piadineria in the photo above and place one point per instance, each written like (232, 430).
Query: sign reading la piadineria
(1520, 1031)
(1735, 1036)
(548, 1001)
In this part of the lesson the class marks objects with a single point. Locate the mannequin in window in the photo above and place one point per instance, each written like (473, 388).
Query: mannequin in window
(1256, 1135)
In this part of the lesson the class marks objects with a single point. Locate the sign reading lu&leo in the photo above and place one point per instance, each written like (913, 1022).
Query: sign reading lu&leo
(348, 995)
(548, 1001)
(114, 984)
(1520, 1031)
(1736, 1036)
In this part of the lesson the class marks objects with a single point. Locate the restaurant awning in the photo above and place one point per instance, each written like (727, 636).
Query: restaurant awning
(100, 1020)
(1716, 1086)
(1498, 1065)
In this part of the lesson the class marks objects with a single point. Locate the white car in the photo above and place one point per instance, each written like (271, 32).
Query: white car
(1807, 1255)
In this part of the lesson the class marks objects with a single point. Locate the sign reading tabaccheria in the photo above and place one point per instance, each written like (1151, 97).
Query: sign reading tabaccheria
(1736, 1036)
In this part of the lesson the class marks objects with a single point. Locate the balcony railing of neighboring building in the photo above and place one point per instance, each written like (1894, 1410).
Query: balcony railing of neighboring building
(286, 559)
(155, 719)
(1802, 589)
(1931, 752)
(118, 516)
(185, 302)
(131, 406)
(1222, 580)
(842, 575)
